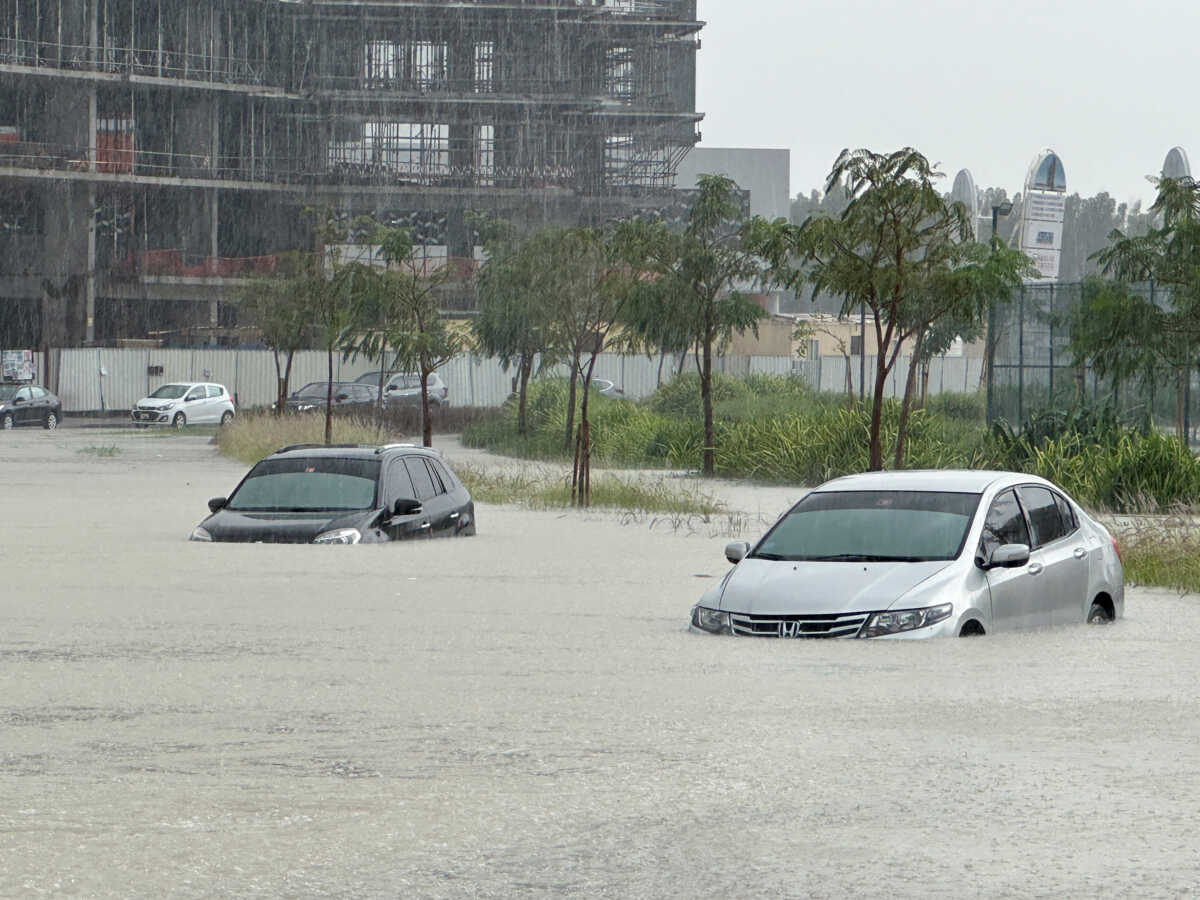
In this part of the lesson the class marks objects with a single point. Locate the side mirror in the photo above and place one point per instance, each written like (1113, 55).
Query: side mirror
(17, 400)
(406, 507)
(216, 503)
(340, 398)
(1008, 556)
(393, 387)
(735, 551)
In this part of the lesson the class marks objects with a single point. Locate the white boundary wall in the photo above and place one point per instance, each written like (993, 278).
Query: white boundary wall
(473, 380)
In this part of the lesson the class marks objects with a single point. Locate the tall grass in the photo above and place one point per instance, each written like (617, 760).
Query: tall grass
(252, 436)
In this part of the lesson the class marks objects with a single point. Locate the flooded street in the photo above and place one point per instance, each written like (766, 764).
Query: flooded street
(523, 713)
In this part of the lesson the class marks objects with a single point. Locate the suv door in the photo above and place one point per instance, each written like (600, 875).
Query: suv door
(1058, 547)
(398, 485)
(1016, 593)
(432, 495)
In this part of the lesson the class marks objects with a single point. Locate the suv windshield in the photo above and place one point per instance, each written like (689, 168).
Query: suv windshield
(316, 389)
(303, 484)
(872, 526)
(171, 391)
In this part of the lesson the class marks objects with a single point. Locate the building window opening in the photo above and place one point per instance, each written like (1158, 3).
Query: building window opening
(618, 73)
(485, 155)
(485, 67)
(381, 65)
(427, 64)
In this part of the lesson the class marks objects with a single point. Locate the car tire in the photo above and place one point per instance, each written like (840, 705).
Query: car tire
(180, 421)
(226, 417)
(1099, 615)
(51, 421)
(6, 422)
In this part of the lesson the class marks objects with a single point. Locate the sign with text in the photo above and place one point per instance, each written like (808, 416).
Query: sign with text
(16, 365)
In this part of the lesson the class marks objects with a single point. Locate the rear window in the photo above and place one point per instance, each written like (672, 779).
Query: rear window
(301, 484)
(872, 526)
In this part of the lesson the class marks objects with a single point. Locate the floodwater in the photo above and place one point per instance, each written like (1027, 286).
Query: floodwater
(522, 714)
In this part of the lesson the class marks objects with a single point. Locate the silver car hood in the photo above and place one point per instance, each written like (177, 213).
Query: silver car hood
(778, 587)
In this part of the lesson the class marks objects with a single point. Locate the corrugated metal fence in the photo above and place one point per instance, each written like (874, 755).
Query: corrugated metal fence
(91, 380)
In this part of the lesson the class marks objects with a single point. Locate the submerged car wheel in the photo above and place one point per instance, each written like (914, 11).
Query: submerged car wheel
(7, 421)
(179, 421)
(1099, 615)
(226, 417)
(971, 629)
(51, 421)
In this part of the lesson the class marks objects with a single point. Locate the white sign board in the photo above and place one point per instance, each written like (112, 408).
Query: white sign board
(17, 365)
(1042, 231)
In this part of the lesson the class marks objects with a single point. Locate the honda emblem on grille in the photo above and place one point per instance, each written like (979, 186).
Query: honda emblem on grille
(789, 629)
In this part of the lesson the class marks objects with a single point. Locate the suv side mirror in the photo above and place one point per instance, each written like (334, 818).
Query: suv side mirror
(341, 397)
(17, 400)
(1008, 556)
(735, 551)
(216, 503)
(406, 507)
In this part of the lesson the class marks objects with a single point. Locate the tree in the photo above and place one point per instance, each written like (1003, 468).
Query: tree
(513, 320)
(278, 307)
(899, 248)
(694, 276)
(1168, 256)
(418, 335)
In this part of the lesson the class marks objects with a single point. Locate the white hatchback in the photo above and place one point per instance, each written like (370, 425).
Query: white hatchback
(185, 403)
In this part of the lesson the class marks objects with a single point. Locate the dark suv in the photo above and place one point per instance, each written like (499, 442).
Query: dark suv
(342, 494)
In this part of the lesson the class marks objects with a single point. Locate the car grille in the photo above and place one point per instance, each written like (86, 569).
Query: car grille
(807, 626)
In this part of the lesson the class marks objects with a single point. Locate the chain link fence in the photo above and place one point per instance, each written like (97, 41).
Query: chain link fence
(1033, 369)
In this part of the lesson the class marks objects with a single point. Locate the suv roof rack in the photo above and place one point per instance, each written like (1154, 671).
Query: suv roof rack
(384, 447)
(317, 446)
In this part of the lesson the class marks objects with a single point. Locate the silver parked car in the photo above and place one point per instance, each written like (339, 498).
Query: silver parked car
(920, 554)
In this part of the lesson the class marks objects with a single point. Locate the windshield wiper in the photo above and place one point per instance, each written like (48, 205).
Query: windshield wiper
(771, 556)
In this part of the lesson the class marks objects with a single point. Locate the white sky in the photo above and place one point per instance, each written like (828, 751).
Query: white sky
(985, 86)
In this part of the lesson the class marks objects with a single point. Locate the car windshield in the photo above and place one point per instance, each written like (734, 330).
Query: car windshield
(304, 484)
(7, 391)
(872, 526)
(369, 378)
(316, 389)
(171, 391)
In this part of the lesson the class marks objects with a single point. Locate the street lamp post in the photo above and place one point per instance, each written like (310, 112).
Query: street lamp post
(998, 210)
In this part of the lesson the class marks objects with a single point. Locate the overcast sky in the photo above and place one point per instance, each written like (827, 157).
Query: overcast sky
(985, 86)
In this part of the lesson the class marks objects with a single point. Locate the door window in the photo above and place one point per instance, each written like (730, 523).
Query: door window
(1044, 515)
(1005, 524)
(400, 485)
(37, 392)
(196, 393)
(23, 394)
(422, 480)
(214, 390)
(441, 475)
(1068, 514)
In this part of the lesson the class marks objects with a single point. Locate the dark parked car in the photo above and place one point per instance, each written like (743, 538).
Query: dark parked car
(348, 396)
(342, 494)
(28, 404)
(404, 388)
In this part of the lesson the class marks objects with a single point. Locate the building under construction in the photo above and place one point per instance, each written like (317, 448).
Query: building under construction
(155, 153)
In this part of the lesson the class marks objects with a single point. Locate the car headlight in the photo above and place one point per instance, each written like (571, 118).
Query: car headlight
(339, 536)
(199, 534)
(895, 621)
(710, 620)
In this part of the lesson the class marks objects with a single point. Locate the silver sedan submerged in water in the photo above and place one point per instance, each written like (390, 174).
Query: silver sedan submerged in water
(920, 554)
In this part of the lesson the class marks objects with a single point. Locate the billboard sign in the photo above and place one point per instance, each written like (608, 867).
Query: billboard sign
(1043, 209)
(16, 365)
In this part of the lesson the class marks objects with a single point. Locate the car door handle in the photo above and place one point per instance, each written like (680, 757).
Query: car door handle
(1035, 568)
(1080, 553)
(424, 524)
(454, 515)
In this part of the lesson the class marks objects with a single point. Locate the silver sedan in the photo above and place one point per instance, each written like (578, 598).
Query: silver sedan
(920, 554)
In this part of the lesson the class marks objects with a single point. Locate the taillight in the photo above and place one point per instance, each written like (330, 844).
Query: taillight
(1116, 549)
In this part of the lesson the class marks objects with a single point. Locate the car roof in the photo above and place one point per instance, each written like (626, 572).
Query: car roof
(966, 481)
